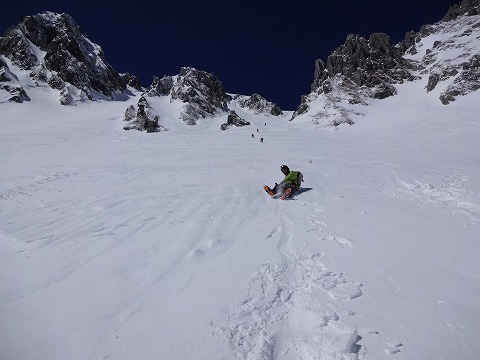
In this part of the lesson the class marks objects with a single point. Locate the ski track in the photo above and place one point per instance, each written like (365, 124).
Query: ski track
(293, 309)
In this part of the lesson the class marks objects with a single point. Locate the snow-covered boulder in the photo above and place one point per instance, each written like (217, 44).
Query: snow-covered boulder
(234, 120)
(142, 117)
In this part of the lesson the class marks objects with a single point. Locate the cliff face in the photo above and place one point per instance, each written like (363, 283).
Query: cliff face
(55, 51)
(198, 93)
(444, 55)
(372, 63)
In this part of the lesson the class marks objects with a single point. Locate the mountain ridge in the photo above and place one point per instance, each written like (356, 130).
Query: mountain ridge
(55, 51)
(363, 69)
(50, 49)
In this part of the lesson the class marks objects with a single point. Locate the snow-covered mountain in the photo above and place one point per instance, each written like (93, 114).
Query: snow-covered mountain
(119, 245)
(50, 49)
(443, 56)
(191, 95)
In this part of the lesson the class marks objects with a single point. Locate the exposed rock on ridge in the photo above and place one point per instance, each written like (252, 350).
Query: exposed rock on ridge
(198, 93)
(142, 117)
(13, 90)
(258, 104)
(363, 69)
(452, 63)
(191, 95)
(234, 120)
(466, 7)
(357, 70)
(373, 63)
(202, 93)
(57, 52)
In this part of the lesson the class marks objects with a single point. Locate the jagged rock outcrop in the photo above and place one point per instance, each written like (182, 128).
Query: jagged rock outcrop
(131, 80)
(12, 89)
(142, 117)
(372, 63)
(192, 94)
(466, 7)
(56, 51)
(364, 69)
(234, 120)
(160, 87)
(258, 104)
(451, 61)
(357, 70)
(466, 82)
(202, 93)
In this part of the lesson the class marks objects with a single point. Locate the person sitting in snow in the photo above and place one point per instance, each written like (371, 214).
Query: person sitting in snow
(289, 185)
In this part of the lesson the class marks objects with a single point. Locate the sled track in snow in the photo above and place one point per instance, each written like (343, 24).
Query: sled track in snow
(292, 309)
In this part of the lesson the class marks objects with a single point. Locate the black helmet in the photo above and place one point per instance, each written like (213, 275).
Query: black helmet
(284, 167)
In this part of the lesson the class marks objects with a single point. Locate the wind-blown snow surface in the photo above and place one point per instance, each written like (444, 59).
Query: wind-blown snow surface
(127, 245)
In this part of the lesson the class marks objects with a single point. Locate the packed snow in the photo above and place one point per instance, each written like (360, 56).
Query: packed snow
(126, 245)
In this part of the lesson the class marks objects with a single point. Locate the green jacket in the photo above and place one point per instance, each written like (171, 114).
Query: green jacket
(292, 177)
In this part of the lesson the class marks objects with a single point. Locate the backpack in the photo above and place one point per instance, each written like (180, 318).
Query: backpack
(299, 178)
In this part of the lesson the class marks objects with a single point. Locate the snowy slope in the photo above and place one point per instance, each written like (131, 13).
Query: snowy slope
(128, 245)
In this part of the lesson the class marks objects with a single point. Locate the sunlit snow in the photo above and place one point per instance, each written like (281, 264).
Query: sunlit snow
(126, 245)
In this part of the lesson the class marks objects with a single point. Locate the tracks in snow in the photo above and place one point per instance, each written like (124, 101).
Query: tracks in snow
(145, 246)
(293, 308)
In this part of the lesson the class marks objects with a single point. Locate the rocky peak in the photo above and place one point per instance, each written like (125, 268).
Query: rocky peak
(357, 70)
(200, 94)
(56, 51)
(161, 86)
(446, 51)
(373, 63)
(258, 104)
(467, 7)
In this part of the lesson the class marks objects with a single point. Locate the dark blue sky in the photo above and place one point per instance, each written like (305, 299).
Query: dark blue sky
(252, 46)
